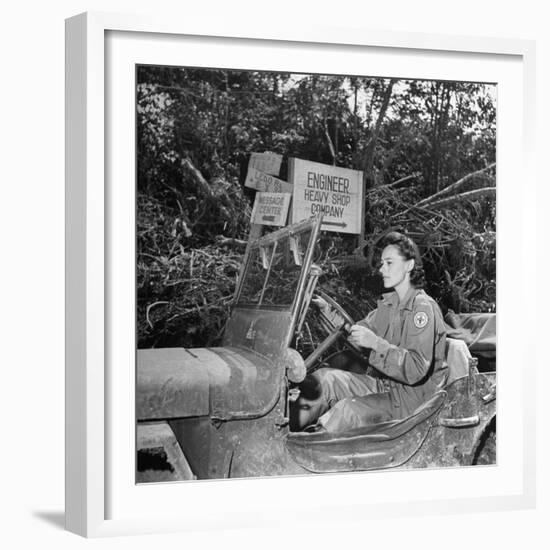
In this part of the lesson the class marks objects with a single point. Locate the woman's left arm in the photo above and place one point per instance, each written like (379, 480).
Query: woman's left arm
(409, 362)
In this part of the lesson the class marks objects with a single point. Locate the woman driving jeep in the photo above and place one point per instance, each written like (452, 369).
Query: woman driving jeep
(406, 338)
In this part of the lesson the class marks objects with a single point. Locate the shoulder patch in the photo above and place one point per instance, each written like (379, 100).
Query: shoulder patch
(420, 319)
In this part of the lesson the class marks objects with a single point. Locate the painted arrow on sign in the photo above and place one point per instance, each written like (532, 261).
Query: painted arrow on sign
(338, 224)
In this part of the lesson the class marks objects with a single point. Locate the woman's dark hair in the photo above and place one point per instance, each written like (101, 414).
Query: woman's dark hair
(408, 249)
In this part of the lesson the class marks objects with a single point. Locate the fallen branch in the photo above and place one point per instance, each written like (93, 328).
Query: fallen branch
(220, 304)
(468, 195)
(230, 241)
(149, 307)
(453, 187)
(399, 182)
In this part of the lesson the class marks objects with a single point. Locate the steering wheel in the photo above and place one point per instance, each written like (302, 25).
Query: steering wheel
(336, 322)
(337, 309)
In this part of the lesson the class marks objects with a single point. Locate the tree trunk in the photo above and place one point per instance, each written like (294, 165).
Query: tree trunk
(368, 163)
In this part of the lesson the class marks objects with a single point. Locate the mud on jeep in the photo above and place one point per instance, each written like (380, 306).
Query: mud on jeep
(223, 412)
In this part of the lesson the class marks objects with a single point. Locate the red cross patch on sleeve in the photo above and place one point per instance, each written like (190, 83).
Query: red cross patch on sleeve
(420, 319)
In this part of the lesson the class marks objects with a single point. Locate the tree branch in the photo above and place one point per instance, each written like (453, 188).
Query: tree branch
(454, 186)
(398, 182)
(221, 239)
(468, 195)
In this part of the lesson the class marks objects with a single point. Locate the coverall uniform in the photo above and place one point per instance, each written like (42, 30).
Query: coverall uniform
(409, 360)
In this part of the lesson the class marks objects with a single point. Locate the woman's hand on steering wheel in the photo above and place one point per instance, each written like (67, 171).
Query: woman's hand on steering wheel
(321, 303)
(363, 337)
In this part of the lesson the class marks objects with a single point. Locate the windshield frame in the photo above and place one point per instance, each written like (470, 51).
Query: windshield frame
(272, 239)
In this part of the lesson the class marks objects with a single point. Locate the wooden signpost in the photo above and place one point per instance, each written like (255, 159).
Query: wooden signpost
(314, 188)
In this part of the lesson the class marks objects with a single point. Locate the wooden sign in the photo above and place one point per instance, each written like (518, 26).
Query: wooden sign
(269, 163)
(255, 179)
(270, 209)
(335, 192)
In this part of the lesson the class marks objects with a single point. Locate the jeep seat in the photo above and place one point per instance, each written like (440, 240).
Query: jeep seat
(381, 445)
(458, 359)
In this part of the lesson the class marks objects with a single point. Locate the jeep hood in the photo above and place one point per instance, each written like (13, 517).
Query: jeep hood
(225, 383)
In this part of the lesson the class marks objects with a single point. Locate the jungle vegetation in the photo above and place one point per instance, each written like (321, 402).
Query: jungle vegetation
(427, 150)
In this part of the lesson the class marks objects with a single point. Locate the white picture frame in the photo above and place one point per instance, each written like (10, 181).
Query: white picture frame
(100, 498)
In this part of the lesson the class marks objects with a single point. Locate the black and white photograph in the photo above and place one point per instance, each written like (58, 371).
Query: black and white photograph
(253, 259)
(315, 273)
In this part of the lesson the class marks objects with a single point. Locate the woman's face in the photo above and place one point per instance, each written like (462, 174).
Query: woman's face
(394, 269)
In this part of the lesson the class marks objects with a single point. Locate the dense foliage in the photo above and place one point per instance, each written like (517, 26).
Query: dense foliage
(427, 150)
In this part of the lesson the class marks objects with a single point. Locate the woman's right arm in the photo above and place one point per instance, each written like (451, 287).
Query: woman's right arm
(368, 321)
